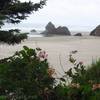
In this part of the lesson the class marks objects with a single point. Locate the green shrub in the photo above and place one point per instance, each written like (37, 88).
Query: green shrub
(26, 75)
(93, 72)
(84, 82)
(3, 98)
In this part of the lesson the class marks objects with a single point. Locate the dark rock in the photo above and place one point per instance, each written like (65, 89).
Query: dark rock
(50, 29)
(78, 34)
(96, 31)
(62, 30)
(33, 30)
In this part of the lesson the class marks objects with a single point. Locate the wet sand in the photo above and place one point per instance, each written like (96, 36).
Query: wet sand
(59, 48)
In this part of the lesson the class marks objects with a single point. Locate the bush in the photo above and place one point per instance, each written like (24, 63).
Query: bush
(85, 83)
(3, 98)
(27, 76)
(93, 72)
(83, 74)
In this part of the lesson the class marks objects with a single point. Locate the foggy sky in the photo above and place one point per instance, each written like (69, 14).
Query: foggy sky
(75, 14)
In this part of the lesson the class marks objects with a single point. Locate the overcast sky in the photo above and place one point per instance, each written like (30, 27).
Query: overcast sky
(75, 14)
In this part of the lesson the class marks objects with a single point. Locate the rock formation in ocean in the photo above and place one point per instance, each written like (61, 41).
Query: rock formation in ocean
(78, 34)
(33, 30)
(62, 30)
(96, 31)
(50, 29)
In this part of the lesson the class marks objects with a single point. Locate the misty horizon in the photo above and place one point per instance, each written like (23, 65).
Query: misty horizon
(41, 26)
(78, 15)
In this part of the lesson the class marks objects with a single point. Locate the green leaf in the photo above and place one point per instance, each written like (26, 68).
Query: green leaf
(62, 79)
(31, 52)
(26, 48)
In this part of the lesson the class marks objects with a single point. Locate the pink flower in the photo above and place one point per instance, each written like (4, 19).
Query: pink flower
(96, 86)
(42, 55)
(81, 63)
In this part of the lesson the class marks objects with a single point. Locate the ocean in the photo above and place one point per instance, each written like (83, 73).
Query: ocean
(38, 34)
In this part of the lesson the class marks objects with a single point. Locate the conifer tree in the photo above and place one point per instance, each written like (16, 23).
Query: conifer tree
(14, 11)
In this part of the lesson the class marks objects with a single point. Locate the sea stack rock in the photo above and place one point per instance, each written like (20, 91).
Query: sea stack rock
(78, 34)
(33, 30)
(96, 31)
(50, 29)
(62, 30)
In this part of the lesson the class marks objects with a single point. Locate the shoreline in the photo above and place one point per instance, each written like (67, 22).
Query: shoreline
(63, 38)
(58, 48)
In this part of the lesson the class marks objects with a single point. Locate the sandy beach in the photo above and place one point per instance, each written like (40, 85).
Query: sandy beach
(59, 48)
